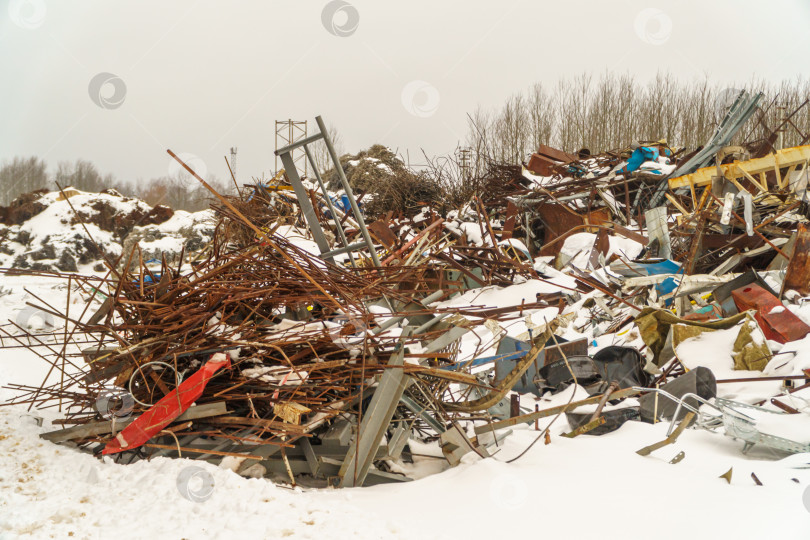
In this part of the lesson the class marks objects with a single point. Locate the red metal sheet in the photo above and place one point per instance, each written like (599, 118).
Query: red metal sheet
(777, 322)
(167, 409)
(557, 155)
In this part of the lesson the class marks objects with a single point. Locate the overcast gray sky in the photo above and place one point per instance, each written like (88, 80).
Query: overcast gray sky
(200, 76)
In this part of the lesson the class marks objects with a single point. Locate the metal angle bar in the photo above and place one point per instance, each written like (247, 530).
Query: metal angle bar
(399, 438)
(435, 320)
(309, 454)
(93, 429)
(422, 412)
(298, 144)
(184, 442)
(349, 194)
(531, 417)
(376, 419)
(743, 108)
(306, 205)
(328, 199)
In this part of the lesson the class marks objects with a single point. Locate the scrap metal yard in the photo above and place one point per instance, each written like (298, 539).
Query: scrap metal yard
(605, 336)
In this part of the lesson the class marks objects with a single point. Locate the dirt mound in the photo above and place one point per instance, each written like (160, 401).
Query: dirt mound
(23, 208)
(66, 230)
(109, 217)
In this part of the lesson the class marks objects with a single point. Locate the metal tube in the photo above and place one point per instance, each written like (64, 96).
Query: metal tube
(431, 322)
(340, 251)
(395, 320)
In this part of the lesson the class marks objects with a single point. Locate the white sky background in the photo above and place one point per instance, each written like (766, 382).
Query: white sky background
(202, 76)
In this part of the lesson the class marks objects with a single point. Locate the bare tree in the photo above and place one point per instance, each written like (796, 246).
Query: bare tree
(614, 110)
(478, 139)
(82, 175)
(542, 116)
(21, 175)
(320, 154)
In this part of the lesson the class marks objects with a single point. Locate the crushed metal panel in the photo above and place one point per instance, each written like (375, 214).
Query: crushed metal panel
(658, 230)
(542, 162)
(383, 233)
(557, 221)
(797, 276)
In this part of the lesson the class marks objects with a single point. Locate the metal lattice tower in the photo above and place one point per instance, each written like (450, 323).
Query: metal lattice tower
(289, 132)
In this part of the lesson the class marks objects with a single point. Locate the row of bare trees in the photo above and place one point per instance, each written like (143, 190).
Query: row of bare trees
(25, 174)
(181, 192)
(612, 110)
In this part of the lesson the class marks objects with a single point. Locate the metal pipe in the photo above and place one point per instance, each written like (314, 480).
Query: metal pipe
(431, 322)
(612, 388)
(395, 320)
(340, 251)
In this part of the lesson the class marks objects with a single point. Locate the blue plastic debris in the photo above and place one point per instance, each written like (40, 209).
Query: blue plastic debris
(639, 156)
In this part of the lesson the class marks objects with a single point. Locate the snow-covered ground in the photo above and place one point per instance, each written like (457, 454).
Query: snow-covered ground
(586, 487)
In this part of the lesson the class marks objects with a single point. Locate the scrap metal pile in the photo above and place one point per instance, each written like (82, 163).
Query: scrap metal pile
(308, 344)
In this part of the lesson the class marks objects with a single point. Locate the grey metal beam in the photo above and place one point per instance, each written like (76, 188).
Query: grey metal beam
(298, 144)
(329, 467)
(375, 420)
(328, 199)
(398, 440)
(395, 320)
(349, 194)
(446, 339)
(309, 454)
(435, 320)
(92, 429)
(306, 206)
